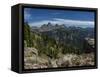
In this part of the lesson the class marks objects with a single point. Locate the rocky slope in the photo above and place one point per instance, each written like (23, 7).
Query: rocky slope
(34, 61)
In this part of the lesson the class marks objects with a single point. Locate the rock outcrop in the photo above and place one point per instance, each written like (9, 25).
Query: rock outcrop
(33, 61)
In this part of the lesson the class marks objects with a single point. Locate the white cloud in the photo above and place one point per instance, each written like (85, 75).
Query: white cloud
(67, 22)
(76, 22)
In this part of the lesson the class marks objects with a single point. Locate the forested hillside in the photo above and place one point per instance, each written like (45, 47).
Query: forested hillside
(54, 42)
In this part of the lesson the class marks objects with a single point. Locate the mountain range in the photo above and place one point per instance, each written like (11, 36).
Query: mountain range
(72, 36)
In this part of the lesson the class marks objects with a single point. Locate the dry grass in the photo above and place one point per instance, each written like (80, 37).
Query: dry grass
(33, 61)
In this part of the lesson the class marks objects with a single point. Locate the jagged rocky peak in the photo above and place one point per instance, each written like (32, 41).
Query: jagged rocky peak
(48, 25)
(59, 26)
(45, 27)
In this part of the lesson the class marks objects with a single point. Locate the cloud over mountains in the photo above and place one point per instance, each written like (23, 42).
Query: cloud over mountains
(67, 22)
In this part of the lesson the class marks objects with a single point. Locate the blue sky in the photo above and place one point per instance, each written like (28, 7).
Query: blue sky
(37, 17)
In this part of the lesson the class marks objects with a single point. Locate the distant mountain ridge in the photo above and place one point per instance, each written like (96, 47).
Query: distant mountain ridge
(57, 45)
(72, 35)
(47, 27)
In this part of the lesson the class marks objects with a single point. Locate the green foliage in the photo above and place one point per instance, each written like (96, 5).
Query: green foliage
(28, 35)
(48, 45)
